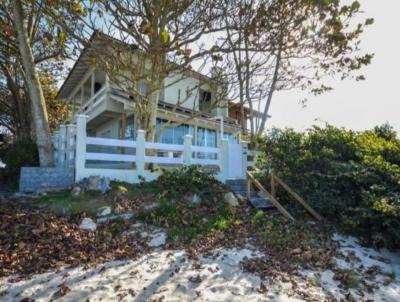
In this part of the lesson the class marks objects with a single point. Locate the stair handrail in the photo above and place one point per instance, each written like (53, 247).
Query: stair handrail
(252, 179)
(296, 196)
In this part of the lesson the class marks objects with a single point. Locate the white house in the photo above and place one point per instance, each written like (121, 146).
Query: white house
(103, 139)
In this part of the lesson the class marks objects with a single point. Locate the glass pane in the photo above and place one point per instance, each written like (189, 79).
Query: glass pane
(211, 138)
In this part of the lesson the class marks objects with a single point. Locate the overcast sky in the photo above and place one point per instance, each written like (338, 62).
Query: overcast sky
(355, 105)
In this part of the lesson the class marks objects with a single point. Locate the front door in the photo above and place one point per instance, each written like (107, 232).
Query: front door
(235, 161)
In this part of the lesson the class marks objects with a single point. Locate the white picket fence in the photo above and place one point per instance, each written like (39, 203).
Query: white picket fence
(132, 157)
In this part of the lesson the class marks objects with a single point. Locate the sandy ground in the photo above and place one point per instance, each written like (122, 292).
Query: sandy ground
(164, 275)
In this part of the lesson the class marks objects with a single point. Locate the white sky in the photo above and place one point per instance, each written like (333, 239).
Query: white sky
(355, 105)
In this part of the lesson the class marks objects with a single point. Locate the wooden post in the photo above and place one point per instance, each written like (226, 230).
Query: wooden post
(140, 151)
(273, 188)
(80, 144)
(272, 199)
(248, 187)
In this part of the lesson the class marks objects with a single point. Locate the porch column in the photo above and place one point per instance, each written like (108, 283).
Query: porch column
(245, 148)
(187, 149)
(80, 144)
(140, 151)
(224, 159)
(70, 148)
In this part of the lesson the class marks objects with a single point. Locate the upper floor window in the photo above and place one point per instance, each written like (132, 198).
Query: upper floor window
(204, 100)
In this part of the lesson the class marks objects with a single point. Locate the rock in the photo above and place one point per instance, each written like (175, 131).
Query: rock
(143, 234)
(76, 191)
(296, 251)
(150, 206)
(96, 183)
(88, 224)
(158, 240)
(104, 211)
(107, 219)
(195, 199)
(231, 199)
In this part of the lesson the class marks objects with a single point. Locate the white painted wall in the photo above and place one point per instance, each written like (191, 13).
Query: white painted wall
(183, 88)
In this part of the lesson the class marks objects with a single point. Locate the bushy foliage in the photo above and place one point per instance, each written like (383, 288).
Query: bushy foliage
(190, 179)
(175, 210)
(351, 178)
(14, 156)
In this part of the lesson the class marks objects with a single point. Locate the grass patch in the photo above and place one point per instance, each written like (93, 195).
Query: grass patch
(64, 203)
(135, 189)
(280, 234)
(185, 221)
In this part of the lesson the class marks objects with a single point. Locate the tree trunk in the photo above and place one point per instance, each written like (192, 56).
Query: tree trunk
(38, 103)
(248, 76)
(271, 92)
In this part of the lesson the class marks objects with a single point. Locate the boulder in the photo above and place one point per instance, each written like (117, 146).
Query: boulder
(231, 199)
(96, 183)
(103, 211)
(76, 191)
(158, 240)
(88, 224)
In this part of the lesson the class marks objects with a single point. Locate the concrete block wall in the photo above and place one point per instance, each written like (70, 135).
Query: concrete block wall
(34, 179)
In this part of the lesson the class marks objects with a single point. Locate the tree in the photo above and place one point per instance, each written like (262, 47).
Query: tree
(38, 104)
(298, 42)
(31, 49)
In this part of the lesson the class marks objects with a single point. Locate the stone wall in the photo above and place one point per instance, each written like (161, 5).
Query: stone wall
(34, 179)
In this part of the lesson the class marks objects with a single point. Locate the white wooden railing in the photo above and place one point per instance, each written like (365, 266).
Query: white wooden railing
(127, 160)
(95, 100)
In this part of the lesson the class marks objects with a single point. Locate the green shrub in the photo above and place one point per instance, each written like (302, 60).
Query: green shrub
(192, 179)
(351, 178)
(184, 219)
(16, 155)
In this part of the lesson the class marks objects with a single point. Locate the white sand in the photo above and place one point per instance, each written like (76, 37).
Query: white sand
(219, 278)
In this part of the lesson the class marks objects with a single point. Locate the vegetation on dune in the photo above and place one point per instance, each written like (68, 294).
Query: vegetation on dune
(351, 178)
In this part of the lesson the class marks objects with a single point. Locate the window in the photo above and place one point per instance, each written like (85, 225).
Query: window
(171, 135)
(204, 100)
(206, 138)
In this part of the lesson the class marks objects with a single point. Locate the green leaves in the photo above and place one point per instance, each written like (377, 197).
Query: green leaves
(351, 178)
(369, 21)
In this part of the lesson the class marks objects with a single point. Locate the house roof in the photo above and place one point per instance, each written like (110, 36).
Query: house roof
(84, 62)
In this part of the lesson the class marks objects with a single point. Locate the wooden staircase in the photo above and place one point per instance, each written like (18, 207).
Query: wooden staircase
(238, 186)
(269, 198)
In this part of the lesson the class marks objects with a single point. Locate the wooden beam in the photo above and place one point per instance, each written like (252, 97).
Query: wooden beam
(298, 198)
(271, 198)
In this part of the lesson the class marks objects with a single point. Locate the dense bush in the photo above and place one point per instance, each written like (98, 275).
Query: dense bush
(14, 156)
(192, 179)
(351, 178)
